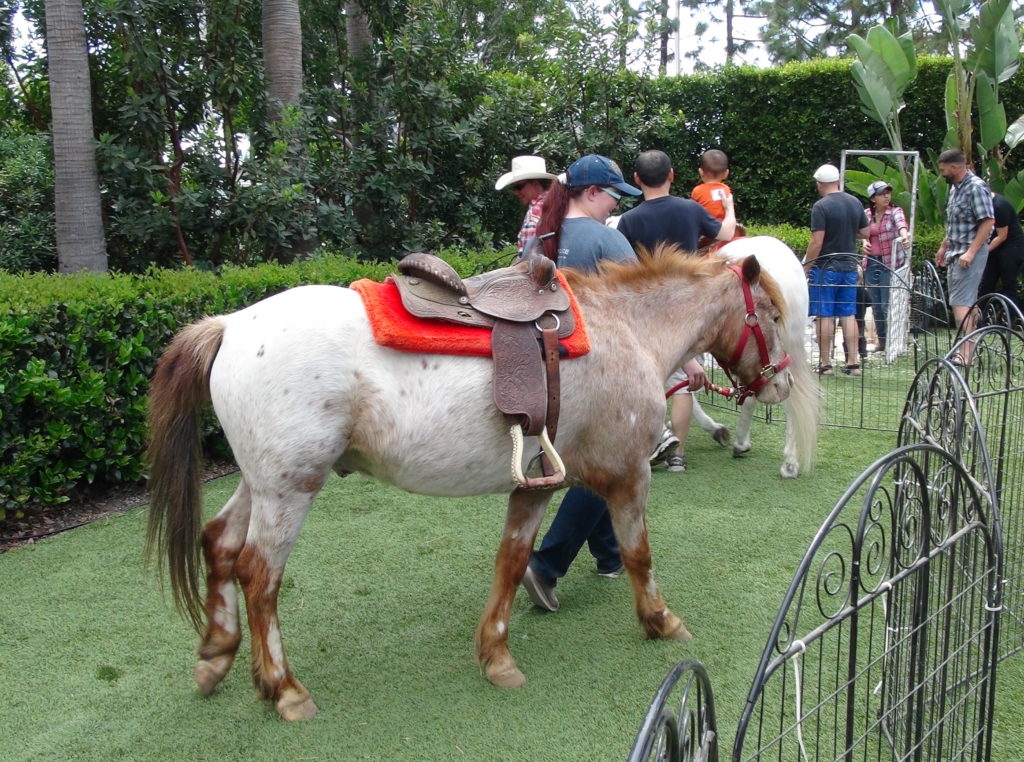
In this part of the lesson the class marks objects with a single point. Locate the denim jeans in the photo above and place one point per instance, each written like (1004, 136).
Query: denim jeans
(582, 518)
(878, 280)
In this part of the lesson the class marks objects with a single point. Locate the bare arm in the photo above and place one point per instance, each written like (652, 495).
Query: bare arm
(695, 374)
(728, 229)
(1001, 234)
(984, 230)
(814, 247)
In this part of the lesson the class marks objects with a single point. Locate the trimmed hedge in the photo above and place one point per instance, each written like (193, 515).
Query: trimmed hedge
(77, 352)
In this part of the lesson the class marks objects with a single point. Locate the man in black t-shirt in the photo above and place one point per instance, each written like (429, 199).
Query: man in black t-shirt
(837, 221)
(663, 217)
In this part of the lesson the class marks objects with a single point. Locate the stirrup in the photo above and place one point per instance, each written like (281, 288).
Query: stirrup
(542, 482)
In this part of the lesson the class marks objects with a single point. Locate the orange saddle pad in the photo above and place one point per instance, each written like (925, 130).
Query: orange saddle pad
(394, 327)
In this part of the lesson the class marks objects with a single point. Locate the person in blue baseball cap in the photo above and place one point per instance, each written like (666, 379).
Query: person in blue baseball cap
(572, 225)
(573, 232)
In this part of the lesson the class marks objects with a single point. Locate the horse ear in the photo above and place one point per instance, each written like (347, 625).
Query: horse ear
(751, 269)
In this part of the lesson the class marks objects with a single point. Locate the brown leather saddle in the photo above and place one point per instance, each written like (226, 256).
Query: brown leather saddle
(527, 310)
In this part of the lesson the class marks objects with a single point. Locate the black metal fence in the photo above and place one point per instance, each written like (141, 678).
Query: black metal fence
(888, 639)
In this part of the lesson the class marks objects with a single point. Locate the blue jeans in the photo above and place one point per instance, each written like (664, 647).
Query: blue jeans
(878, 280)
(582, 518)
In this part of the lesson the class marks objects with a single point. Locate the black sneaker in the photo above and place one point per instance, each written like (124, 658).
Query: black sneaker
(676, 463)
(541, 593)
(667, 442)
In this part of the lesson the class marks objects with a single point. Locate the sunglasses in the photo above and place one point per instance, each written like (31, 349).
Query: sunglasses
(613, 194)
(519, 186)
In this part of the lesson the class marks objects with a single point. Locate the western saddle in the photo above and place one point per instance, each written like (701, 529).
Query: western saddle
(522, 305)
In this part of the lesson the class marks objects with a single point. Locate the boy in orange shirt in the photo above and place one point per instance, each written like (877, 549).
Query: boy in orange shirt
(709, 192)
(713, 170)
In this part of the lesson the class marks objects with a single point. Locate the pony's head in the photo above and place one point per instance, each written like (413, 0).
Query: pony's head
(748, 343)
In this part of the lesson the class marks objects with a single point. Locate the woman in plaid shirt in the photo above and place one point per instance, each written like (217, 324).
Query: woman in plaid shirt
(886, 224)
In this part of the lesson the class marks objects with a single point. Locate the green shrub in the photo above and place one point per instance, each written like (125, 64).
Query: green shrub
(27, 226)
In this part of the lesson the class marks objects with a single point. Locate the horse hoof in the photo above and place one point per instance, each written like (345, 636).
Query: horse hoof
(721, 435)
(210, 672)
(680, 632)
(739, 452)
(293, 706)
(789, 471)
(506, 677)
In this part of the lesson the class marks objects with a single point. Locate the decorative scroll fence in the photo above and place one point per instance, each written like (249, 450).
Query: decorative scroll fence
(888, 639)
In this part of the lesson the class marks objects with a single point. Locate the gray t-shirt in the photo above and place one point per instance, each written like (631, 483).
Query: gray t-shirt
(583, 242)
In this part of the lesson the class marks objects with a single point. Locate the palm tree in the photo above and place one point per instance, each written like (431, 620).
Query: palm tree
(282, 53)
(81, 244)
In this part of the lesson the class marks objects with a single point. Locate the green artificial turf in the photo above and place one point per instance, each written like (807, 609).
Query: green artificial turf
(378, 608)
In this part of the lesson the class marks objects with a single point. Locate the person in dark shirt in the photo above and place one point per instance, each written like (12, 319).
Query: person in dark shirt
(1005, 252)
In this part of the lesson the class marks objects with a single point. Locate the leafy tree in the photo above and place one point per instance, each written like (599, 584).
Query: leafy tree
(804, 29)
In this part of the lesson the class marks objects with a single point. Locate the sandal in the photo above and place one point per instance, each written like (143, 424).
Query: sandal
(825, 370)
(852, 370)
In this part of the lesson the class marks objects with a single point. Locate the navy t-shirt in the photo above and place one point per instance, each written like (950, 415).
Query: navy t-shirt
(671, 219)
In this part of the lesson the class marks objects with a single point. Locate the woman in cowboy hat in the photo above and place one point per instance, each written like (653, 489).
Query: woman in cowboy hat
(529, 180)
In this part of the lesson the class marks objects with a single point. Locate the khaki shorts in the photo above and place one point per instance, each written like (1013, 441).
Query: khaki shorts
(964, 281)
(677, 377)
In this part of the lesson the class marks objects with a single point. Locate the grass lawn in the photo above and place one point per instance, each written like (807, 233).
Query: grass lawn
(378, 608)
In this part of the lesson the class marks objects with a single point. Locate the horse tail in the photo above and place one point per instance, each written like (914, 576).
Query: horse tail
(181, 385)
(803, 407)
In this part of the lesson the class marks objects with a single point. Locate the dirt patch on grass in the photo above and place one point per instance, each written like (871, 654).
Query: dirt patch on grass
(46, 522)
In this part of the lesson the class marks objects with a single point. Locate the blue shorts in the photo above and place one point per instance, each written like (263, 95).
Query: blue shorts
(832, 293)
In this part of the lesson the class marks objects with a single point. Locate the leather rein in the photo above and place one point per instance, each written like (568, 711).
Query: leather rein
(751, 327)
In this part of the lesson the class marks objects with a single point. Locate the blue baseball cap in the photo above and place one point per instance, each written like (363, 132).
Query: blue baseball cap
(598, 170)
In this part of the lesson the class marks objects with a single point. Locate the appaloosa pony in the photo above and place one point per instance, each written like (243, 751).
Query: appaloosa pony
(302, 389)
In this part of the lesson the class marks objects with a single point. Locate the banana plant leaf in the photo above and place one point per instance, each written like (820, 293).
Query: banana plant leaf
(996, 43)
(991, 113)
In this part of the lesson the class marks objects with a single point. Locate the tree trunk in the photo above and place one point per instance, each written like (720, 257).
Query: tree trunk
(282, 53)
(81, 244)
(357, 30)
(730, 42)
(663, 33)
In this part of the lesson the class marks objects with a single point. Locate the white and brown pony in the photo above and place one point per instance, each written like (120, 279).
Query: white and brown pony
(802, 405)
(302, 390)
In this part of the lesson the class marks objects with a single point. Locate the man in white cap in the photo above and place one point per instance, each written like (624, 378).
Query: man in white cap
(837, 221)
(530, 181)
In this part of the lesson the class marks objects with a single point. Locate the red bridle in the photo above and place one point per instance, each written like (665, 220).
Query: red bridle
(751, 326)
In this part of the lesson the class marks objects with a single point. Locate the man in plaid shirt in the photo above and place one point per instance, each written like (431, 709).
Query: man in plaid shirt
(965, 248)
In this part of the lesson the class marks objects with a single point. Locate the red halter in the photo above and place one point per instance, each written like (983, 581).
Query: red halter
(750, 326)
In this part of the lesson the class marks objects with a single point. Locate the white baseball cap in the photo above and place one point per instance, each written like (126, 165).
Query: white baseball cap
(826, 173)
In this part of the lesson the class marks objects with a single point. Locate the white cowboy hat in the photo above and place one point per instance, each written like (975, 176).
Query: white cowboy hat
(525, 168)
